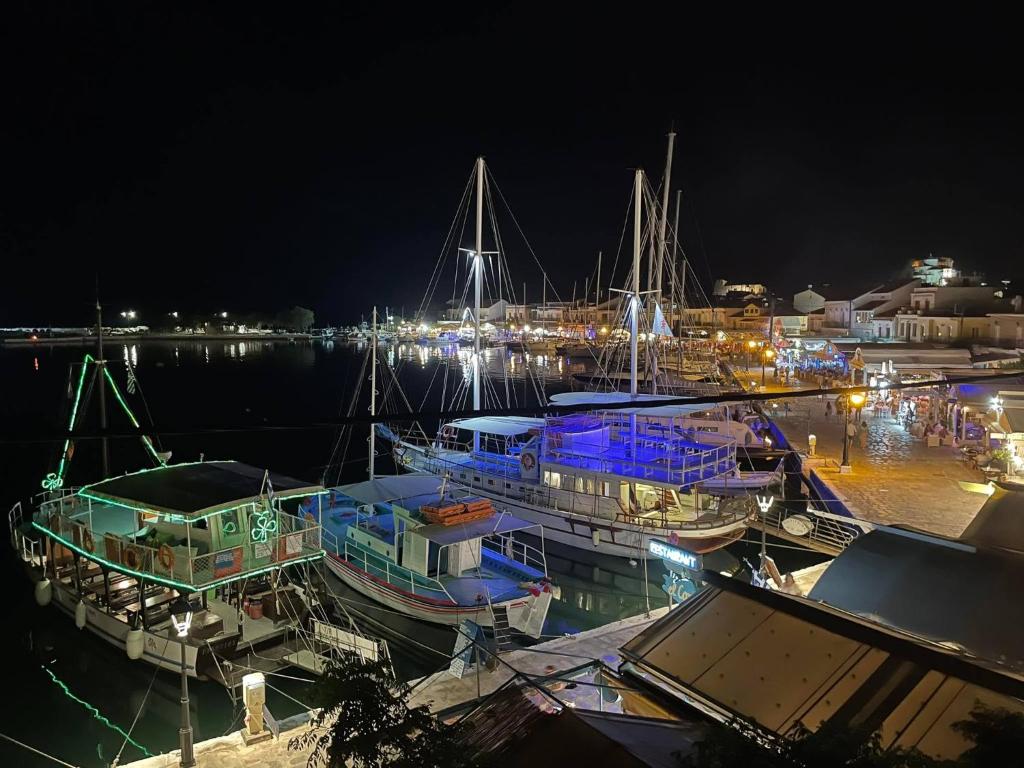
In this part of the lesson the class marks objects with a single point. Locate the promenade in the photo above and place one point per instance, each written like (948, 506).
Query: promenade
(895, 478)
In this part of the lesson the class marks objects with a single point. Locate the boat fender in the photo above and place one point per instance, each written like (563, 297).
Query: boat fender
(595, 533)
(167, 558)
(134, 644)
(44, 591)
(80, 615)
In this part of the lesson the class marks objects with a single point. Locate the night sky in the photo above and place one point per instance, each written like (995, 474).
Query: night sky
(241, 159)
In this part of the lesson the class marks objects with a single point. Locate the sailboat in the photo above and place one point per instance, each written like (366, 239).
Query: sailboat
(613, 478)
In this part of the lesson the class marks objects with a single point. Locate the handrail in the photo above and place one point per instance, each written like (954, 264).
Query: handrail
(426, 583)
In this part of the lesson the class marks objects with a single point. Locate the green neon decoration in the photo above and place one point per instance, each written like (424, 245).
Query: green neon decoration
(121, 568)
(62, 467)
(52, 482)
(229, 527)
(263, 525)
(96, 713)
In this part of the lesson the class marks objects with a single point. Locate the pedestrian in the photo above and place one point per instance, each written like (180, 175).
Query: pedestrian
(851, 431)
(828, 410)
(863, 435)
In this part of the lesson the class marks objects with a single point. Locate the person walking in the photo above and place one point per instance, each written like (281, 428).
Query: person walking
(863, 435)
(828, 410)
(851, 431)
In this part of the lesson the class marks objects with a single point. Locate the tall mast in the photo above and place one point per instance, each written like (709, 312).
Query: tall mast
(597, 299)
(662, 249)
(100, 374)
(373, 393)
(477, 279)
(634, 319)
(675, 255)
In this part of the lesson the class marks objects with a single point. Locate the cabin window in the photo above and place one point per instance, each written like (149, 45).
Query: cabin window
(462, 476)
(490, 482)
(508, 486)
(590, 486)
(579, 485)
(606, 488)
(552, 479)
(476, 479)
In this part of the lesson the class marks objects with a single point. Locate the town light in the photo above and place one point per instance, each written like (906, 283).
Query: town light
(223, 314)
(751, 343)
(857, 399)
(181, 616)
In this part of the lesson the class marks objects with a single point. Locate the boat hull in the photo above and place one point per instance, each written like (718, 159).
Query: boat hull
(427, 609)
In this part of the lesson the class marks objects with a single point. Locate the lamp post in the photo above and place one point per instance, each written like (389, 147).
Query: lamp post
(181, 617)
(768, 355)
(854, 400)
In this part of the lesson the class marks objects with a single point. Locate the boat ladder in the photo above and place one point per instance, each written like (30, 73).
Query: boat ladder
(501, 627)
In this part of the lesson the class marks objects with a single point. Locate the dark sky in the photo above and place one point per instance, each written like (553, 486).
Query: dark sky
(237, 158)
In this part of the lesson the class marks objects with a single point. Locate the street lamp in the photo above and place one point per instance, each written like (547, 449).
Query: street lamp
(854, 400)
(768, 355)
(181, 617)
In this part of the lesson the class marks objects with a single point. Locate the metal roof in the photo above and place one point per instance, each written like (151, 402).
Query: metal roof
(194, 490)
(506, 426)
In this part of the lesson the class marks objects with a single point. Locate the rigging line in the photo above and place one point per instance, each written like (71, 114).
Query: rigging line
(435, 276)
(145, 698)
(544, 274)
(95, 712)
(292, 698)
(38, 752)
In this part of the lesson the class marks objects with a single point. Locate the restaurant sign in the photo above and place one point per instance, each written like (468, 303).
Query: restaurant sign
(673, 555)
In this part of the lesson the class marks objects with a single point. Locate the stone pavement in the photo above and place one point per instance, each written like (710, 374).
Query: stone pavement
(895, 479)
(440, 691)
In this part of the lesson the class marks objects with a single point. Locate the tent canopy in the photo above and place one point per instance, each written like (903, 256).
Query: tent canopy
(506, 426)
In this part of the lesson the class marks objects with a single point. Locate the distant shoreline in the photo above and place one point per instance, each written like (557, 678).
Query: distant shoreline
(48, 341)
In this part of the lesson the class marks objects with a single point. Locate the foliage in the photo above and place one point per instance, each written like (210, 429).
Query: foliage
(995, 734)
(365, 721)
(295, 319)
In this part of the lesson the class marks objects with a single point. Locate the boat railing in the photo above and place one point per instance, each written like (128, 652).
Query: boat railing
(385, 569)
(296, 537)
(516, 551)
(830, 534)
(701, 522)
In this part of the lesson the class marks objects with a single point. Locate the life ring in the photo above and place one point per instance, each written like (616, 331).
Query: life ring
(166, 556)
(529, 461)
(448, 433)
(131, 558)
(87, 543)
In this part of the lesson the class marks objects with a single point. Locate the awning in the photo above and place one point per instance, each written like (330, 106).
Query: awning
(393, 488)
(506, 426)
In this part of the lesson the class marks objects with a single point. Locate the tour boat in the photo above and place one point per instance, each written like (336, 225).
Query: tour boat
(117, 554)
(436, 555)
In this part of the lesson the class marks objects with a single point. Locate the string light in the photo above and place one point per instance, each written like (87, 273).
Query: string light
(96, 713)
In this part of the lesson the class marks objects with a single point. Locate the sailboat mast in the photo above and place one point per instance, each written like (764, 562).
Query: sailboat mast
(373, 393)
(100, 365)
(477, 289)
(634, 315)
(662, 246)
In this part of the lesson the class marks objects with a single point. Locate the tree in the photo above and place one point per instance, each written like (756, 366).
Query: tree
(365, 721)
(296, 319)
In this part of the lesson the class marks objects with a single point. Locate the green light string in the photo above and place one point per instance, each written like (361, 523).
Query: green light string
(95, 712)
(127, 410)
(55, 480)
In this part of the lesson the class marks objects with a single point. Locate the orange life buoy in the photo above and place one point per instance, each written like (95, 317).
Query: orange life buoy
(87, 543)
(166, 556)
(131, 557)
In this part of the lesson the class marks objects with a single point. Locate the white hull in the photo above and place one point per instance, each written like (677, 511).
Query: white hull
(160, 650)
(519, 609)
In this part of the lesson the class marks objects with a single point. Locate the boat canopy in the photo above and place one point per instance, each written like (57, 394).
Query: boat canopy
(506, 426)
(393, 488)
(197, 489)
(443, 535)
(616, 400)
